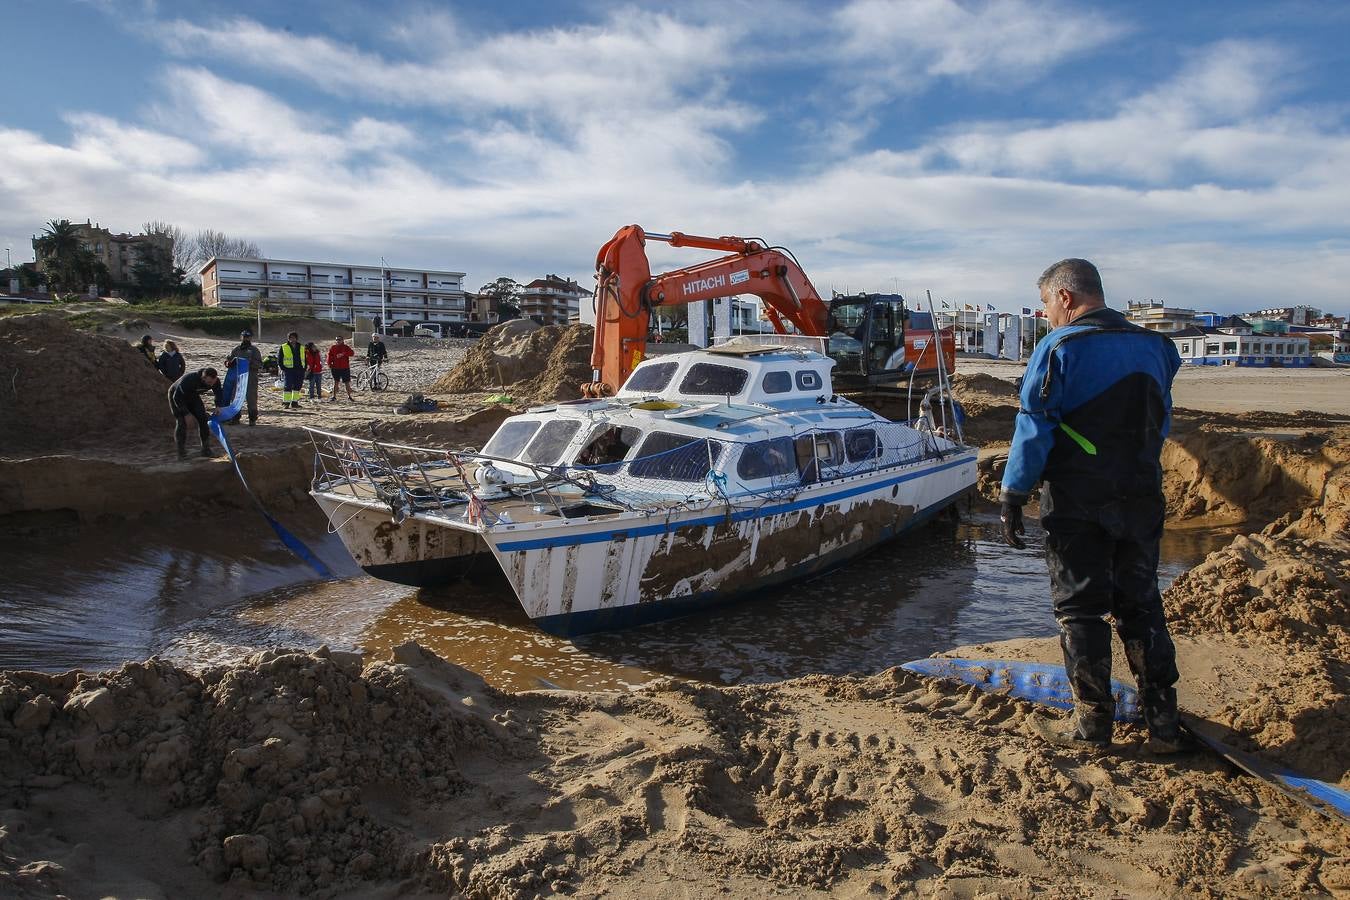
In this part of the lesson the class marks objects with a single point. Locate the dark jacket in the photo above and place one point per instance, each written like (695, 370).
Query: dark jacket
(1096, 407)
(190, 387)
(376, 352)
(171, 365)
(249, 352)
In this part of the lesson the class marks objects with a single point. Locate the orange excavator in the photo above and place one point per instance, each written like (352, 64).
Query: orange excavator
(867, 338)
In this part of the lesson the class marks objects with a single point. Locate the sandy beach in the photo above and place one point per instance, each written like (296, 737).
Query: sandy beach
(320, 772)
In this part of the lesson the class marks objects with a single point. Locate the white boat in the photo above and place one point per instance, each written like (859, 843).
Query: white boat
(711, 474)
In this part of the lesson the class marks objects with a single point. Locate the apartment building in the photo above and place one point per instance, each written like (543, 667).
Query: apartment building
(552, 300)
(118, 252)
(336, 291)
(1157, 316)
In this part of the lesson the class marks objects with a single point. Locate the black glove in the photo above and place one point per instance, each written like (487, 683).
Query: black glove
(1010, 514)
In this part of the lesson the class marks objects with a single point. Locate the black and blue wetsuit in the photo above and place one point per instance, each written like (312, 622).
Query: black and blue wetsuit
(1096, 407)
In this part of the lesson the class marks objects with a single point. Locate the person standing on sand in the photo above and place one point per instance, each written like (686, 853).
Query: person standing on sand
(1096, 406)
(291, 358)
(376, 352)
(171, 363)
(246, 350)
(147, 349)
(340, 364)
(185, 399)
(314, 371)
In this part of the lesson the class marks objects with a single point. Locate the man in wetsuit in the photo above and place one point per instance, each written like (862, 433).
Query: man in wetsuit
(247, 350)
(1095, 407)
(185, 399)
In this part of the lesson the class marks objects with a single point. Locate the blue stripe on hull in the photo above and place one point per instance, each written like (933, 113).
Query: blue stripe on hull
(759, 512)
(616, 618)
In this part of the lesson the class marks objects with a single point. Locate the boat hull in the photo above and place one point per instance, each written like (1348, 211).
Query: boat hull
(414, 552)
(603, 575)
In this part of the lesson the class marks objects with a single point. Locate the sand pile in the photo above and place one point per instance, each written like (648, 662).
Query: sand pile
(61, 389)
(1239, 476)
(534, 364)
(1286, 589)
(302, 773)
(291, 764)
(990, 405)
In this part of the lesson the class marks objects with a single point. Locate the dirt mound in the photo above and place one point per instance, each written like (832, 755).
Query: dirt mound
(306, 773)
(990, 406)
(1235, 476)
(61, 388)
(1287, 589)
(472, 430)
(544, 364)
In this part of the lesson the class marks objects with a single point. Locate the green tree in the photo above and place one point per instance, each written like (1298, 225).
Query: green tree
(503, 296)
(154, 272)
(65, 259)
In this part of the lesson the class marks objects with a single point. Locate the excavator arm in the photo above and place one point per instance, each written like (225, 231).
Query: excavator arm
(627, 292)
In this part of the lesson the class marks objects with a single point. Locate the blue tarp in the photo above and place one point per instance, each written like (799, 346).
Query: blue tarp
(236, 389)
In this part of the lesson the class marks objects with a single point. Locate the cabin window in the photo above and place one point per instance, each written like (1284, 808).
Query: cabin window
(777, 382)
(548, 445)
(675, 457)
(860, 444)
(510, 439)
(808, 380)
(652, 378)
(767, 459)
(713, 380)
(608, 444)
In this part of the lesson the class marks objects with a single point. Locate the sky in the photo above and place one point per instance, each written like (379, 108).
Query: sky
(1199, 153)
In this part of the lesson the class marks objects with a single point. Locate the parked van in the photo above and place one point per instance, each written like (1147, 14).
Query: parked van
(427, 331)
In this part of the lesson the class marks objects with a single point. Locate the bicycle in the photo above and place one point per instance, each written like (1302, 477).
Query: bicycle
(372, 377)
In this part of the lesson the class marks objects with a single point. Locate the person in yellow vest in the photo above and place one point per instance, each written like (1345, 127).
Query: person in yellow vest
(291, 359)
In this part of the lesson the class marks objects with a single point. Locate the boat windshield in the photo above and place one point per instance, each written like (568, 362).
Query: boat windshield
(548, 445)
(511, 438)
(710, 379)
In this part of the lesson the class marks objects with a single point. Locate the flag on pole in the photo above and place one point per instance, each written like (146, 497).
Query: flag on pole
(989, 307)
(1026, 310)
(1040, 314)
(944, 305)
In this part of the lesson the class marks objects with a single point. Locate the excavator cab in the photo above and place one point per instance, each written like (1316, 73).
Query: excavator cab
(867, 339)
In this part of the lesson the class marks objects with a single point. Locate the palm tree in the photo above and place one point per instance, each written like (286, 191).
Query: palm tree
(64, 257)
(59, 240)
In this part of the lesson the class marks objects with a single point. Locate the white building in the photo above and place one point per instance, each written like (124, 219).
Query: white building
(1157, 316)
(335, 291)
(1234, 343)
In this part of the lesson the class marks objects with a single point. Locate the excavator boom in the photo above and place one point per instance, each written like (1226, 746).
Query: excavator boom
(627, 292)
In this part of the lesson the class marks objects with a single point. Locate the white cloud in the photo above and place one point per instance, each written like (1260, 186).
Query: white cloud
(996, 42)
(1194, 189)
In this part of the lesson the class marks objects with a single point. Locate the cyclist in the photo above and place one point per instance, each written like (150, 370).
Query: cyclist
(376, 355)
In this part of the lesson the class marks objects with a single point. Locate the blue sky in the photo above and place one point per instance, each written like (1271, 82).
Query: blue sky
(1199, 153)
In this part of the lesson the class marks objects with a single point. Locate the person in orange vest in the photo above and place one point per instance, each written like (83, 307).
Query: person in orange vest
(291, 358)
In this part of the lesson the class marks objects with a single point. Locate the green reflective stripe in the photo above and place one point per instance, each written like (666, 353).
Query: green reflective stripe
(1088, 447)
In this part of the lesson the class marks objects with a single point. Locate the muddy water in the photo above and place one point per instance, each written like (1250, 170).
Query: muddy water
(97, 600)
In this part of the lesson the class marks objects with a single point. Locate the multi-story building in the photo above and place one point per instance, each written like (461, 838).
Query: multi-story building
(1235, 343)
(336, 291)
(1157, 316)
(552, 300)
(118, 252)
(1294, 315)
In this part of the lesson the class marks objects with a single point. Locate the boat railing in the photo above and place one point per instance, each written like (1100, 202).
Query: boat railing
(420, 479)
